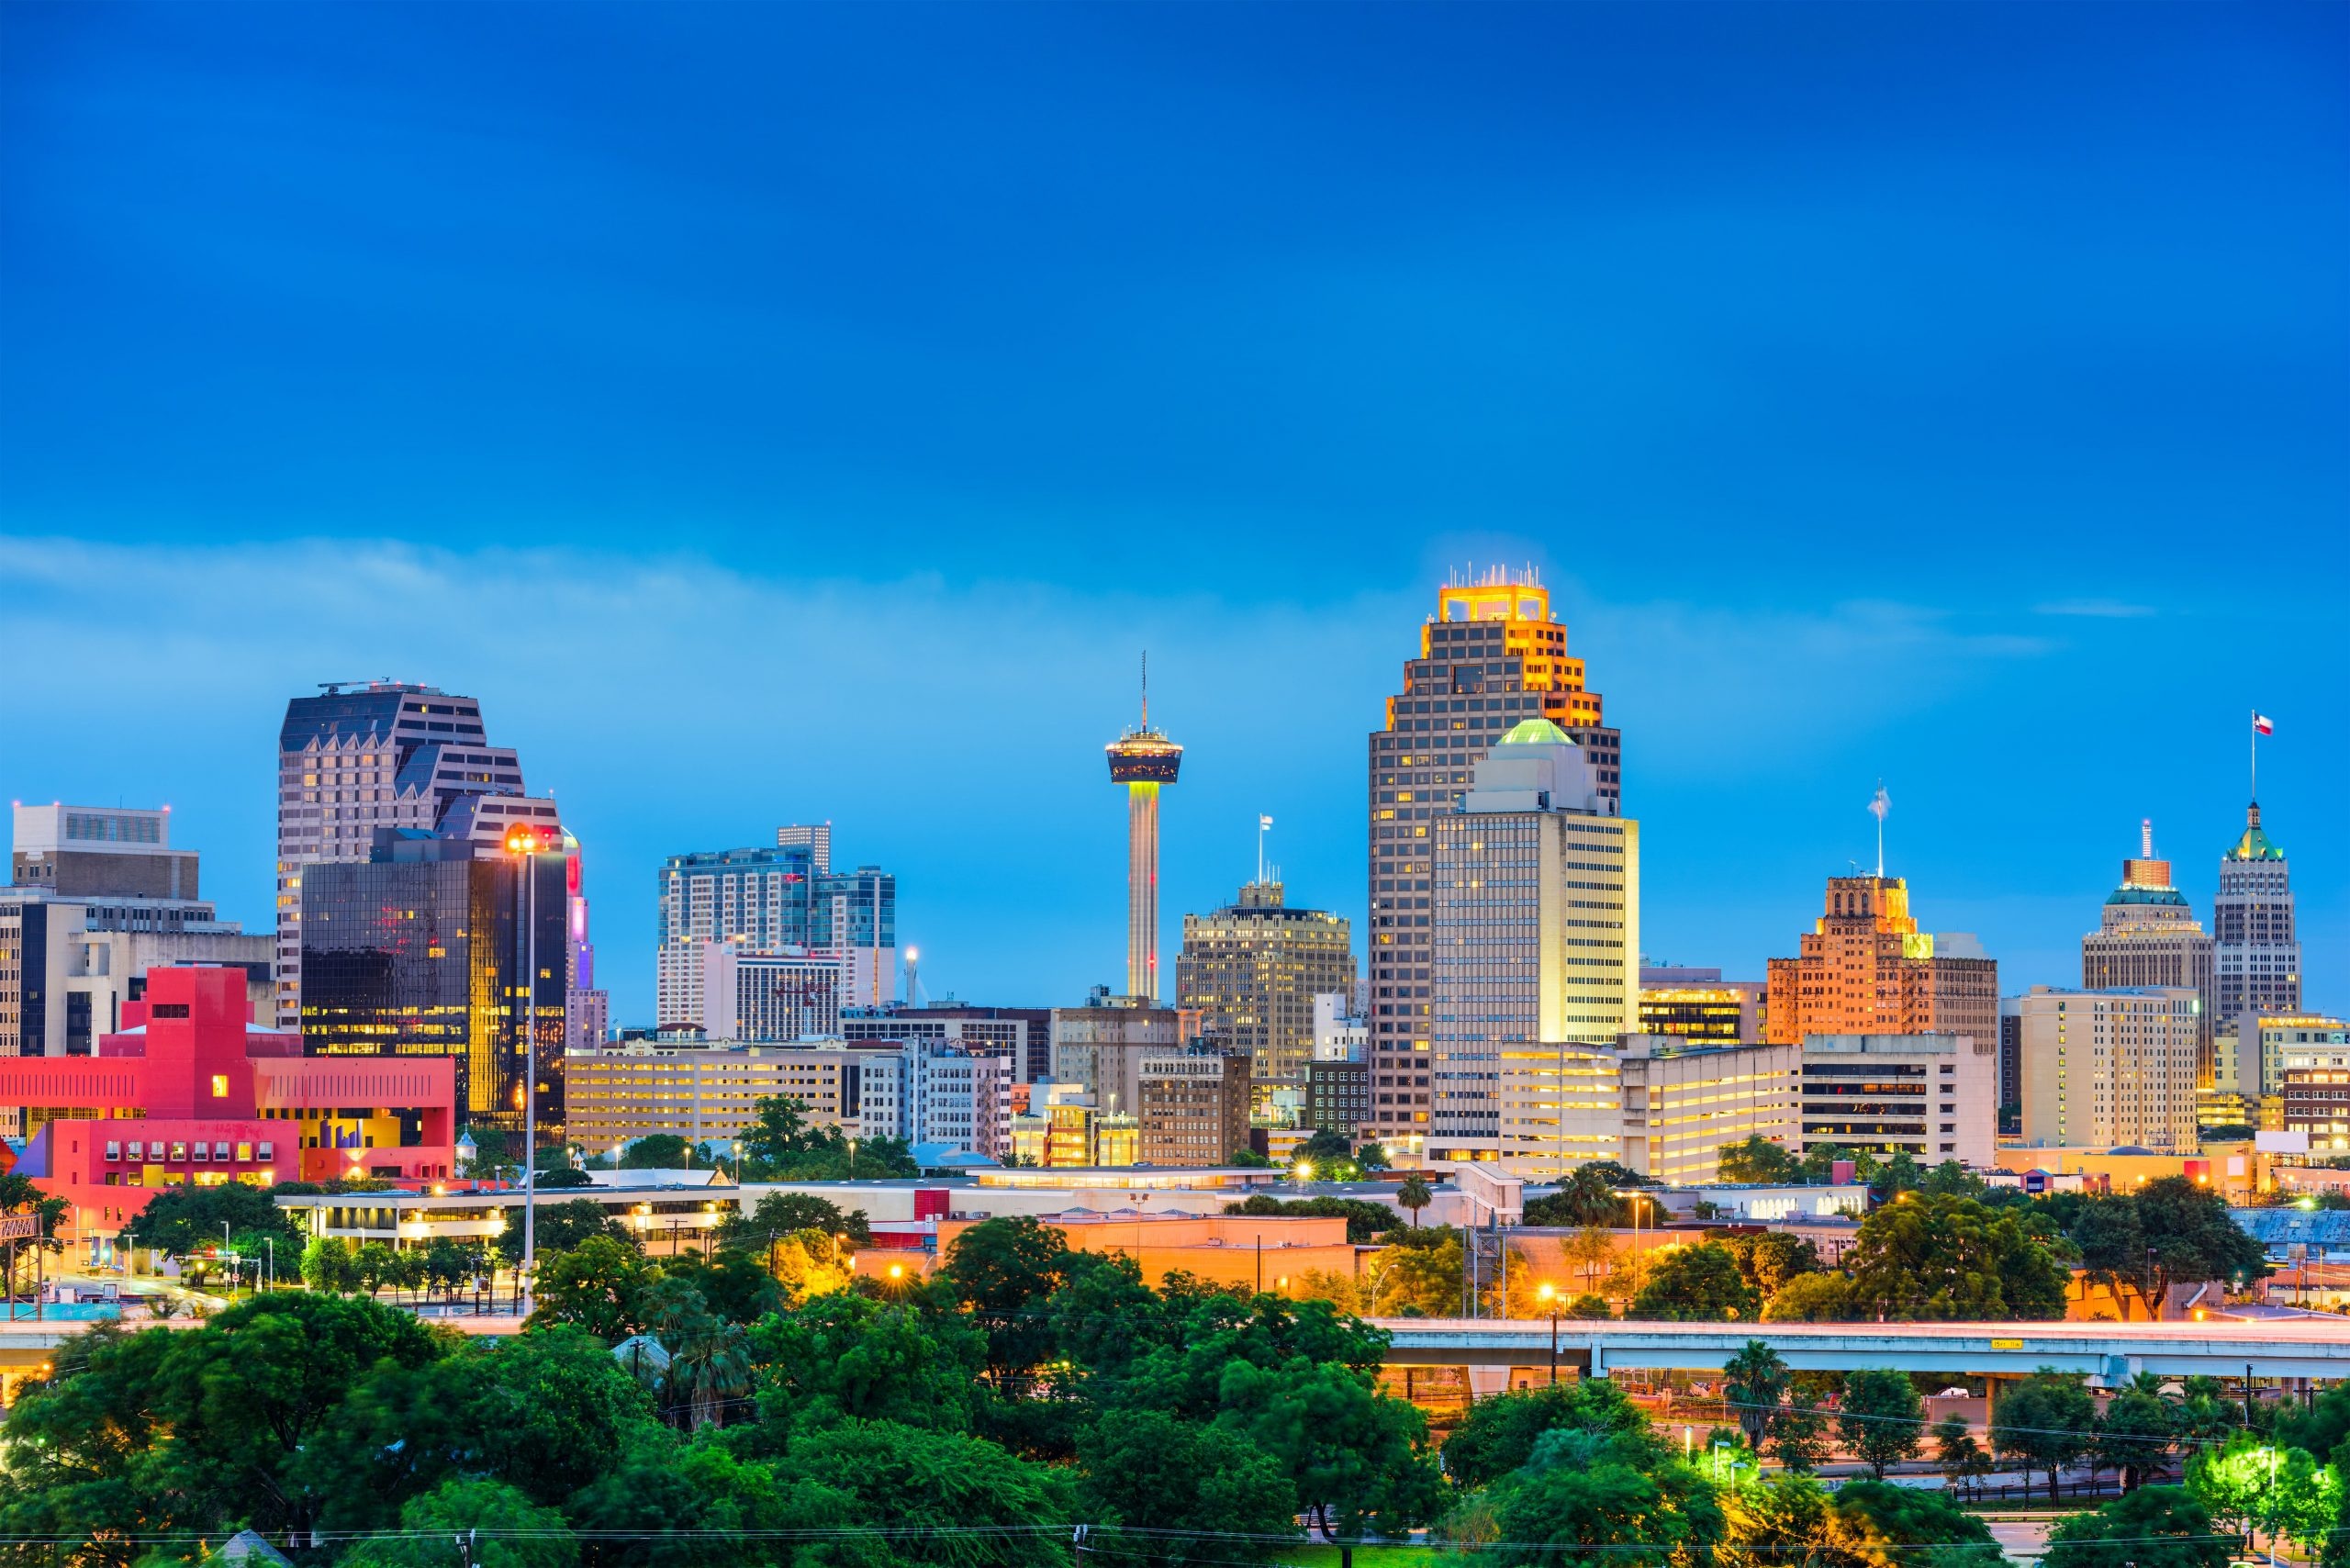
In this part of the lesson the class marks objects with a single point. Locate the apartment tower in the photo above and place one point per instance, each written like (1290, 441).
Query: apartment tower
(1490, 658)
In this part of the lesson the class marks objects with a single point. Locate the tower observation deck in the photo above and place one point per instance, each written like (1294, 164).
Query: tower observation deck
(1143, 760)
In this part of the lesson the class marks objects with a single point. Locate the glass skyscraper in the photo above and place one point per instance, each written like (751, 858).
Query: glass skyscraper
(423, 953)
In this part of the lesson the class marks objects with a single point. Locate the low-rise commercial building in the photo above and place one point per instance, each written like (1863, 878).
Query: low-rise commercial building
(1931, 1095)
(191, 1092)
(1194, 1106)
(1700, 1006)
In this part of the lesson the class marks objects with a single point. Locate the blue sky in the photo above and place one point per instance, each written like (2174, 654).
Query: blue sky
(789, 412)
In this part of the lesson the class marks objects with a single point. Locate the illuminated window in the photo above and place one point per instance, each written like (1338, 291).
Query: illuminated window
(219, 1086)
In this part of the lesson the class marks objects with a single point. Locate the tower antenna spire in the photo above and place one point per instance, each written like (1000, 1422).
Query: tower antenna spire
(1145, 688)
(1879, 804)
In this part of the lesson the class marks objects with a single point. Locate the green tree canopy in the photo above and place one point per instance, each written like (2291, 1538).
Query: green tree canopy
(1697, 1285)
(1943, 1258)
(2044, 1422)
(1497, 1435)
(1881, 1421)
(786, 1213)
(561, 1227)
(513, 1531)
(1172, 1493)
(2154, 1527)
(1758, 1160)
(183, 1217)
(1366, 1222)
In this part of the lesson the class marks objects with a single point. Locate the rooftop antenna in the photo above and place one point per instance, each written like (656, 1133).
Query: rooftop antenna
(1264, 824)
(1145, 688)
(2146, 838)
(1879, 804)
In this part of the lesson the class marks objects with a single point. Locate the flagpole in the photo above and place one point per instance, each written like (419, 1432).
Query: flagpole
(2255, 753)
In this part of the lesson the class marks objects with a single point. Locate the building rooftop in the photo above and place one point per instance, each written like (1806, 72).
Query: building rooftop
(2254, 844)
(1536, 732)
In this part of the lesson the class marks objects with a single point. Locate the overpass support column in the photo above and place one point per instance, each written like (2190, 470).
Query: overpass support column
(1486, 1381)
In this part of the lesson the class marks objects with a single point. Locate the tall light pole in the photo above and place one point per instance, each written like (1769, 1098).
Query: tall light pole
(1549, 1298)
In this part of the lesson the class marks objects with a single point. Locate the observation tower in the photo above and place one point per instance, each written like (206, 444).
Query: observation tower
(1142, 759)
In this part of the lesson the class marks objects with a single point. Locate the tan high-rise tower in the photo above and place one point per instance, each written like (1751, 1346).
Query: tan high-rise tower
(1866, 968)
(1490, 657)
(1142, 759)
(2148, 936)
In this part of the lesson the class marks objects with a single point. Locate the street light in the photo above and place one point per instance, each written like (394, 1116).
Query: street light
(1549, 1298)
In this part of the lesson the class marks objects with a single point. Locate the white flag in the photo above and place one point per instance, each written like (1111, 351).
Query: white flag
(1880, 803)
(1264, 822)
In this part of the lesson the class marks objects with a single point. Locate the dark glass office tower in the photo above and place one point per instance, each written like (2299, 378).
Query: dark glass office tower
(420, 952)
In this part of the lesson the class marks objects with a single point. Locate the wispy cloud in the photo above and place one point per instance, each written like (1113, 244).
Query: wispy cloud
(2095, 608)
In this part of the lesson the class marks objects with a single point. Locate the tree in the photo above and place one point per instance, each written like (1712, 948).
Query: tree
(1941, 1258)
(1769, 1258)
(514, 1532)
(1958, 1456)
(2112, 1243)
(2154, 1526)
(1560, 1511)
(1810, 1298)
(1880, 1421)
(1414, 1195)
(2044, 1422)
(1004, 1271)
(1497, 1435)
(1697, 1285)
(1356, 1457)
(1755, 1381)
(1174, 1493)
(329, 1267)
(1589, 1251)
(561, 1226)
(1799, 1436)
(657, 1151)
(1758, 1160)
(562, 1178)
(183, 1216)
(1418, 1277)
(1365, 1221)
(597, 1285)
(1327, 1147)
(1953, 1180)
(2135, 1434)
(851, 1357)
(2193, 1239)
(785, 1213)
(1891, 1522)
(936, 1498)
(1586, 1197)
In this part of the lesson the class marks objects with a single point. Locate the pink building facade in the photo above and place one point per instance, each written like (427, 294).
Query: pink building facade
(191, 1091)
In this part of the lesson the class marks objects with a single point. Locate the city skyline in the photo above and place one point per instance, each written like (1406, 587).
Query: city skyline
(1944, 395)
(1689, 918)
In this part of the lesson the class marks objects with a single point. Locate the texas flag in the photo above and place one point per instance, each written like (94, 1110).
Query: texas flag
(2263, 724)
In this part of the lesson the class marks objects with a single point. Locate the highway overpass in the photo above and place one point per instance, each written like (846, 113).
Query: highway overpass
(2108, 1353)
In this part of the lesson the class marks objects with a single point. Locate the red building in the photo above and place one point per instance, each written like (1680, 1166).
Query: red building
(191, 1091)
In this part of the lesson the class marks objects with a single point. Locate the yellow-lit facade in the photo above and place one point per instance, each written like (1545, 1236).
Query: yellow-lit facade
(1069, 1135)
(1492, 657)
(705, 1095)
(2111, 1068)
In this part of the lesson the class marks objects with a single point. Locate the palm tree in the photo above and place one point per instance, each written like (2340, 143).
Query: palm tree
(1415, 1194)
(1755, 1380)
(713, 1368)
